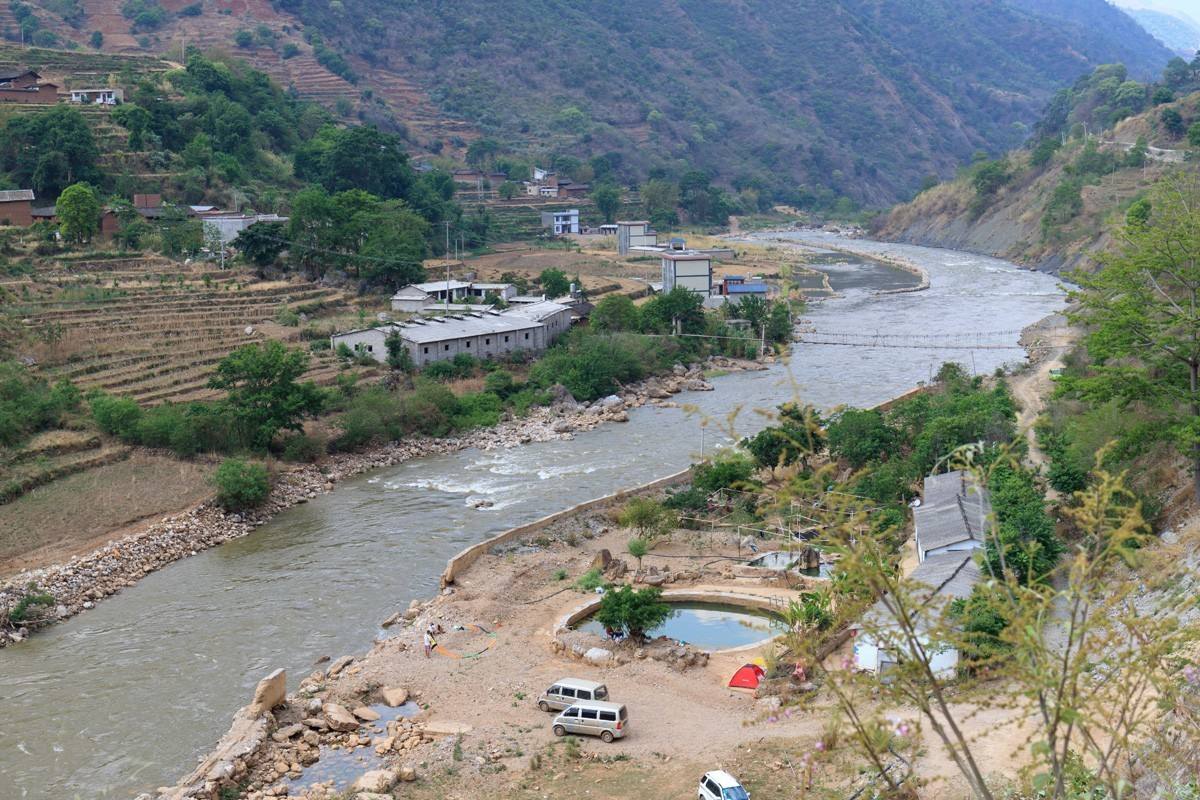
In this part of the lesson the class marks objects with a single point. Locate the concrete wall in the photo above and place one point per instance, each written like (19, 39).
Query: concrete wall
(463, 561)
(489, 345)
(369, 340)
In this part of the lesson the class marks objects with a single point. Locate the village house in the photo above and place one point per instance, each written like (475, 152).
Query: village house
(99, 97)
(16, 207)
(26, 87)
(417, 297)
(571, 189)
(226, 225)
(736, 287)
(637, 233)
(561, 222)
(941, 578)
(687, 269)
(953, 516)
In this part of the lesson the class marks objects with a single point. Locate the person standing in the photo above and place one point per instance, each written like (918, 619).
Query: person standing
(430, 642)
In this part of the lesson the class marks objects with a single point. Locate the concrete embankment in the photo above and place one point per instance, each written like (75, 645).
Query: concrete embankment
(80, 583)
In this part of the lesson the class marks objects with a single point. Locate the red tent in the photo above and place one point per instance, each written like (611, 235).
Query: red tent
(747, 676)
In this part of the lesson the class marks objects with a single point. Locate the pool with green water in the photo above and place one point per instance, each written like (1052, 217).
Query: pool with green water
(709, 626)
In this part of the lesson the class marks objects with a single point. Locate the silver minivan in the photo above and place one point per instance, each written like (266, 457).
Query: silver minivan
(607, 720)
(569, 690)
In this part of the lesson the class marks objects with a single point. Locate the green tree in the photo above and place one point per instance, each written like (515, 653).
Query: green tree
(49, 150)
(554, 282)
(1172, 122)
(607, 198)
(134, 119)
(633, 612)
(264, 392)
(97, 40)
(1193, 134)
(78, 210)
(638, 548)
(261, 243)
(1143, 329)
(661, 199)
(508, 190)
(861, 436)
(398, 356)
(615, 312)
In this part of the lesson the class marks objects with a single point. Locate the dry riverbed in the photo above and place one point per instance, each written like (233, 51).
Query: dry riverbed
(80, 582)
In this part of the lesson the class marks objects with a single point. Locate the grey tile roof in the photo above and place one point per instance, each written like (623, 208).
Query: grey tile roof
(537, 311)
(15, 195)
(943, 576)
(955, 509)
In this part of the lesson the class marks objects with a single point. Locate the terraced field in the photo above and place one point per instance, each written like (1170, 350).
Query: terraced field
(154, 330)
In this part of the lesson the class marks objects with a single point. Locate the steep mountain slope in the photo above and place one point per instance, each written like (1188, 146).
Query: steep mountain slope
(1053, 210)
(805, 100)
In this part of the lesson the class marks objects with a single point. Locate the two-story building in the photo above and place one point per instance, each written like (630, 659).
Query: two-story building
(561, 222)
(687, 269)
(636, 233)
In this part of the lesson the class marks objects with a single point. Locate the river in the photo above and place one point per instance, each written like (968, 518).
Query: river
(125, 697)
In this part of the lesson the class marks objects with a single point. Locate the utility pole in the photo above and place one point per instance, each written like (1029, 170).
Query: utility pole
(446, 302)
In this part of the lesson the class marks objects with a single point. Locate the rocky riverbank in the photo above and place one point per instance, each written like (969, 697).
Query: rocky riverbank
(77, 585)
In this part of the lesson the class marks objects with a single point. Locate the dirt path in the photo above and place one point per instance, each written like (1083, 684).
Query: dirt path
(1048, 342)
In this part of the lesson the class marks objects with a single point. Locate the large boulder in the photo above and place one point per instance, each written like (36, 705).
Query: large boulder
(598, 656)
(394, 696)
(270, 692)
(338, 718)
(602, 560)
(611, 403)
(365, 714)
(377, 780)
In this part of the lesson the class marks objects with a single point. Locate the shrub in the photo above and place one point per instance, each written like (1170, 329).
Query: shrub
(30, 600)
(633, 612)
(689, 499)
(638, 548)
(29, 404)
(479, 410)
(590, 581)
(118, 416)
(860, 436)
(500, 383)
(728, 470)
(649, 517)
(303, 448)
(241, 484)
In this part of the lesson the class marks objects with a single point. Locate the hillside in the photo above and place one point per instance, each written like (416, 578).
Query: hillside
(808, 101)
(1049, 206)
(1179, 34)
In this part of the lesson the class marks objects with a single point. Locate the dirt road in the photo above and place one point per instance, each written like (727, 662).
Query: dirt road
(1047, 341)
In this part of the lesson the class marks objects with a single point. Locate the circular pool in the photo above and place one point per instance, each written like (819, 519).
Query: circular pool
(708, 625)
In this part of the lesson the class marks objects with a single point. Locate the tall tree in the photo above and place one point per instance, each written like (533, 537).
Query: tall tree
(607, 198)
(265, 395)
(78, 210)
(1143, 312)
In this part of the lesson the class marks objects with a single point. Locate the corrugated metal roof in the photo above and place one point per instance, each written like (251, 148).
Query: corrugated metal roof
(15, 195)
(747, 288)
(440, 329)
(440, 286)
(942, 577)
(537, 311)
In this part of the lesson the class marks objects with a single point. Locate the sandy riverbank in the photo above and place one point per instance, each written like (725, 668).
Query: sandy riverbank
(78, 584)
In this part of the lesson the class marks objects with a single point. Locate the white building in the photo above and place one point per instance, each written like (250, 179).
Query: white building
(687, 269)
(417, 297)
(554, 317)
(561, 222)
(100, 97)
(878, 640)
(227, 226)
(481, 334)
(953, 516)
(637, 233)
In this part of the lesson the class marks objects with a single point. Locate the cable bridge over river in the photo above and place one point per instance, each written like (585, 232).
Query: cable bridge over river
(977, 340)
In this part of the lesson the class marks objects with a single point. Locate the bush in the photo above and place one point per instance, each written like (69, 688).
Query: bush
(117, 416)
(30, 600)
(590, 581)
(479, 410)
(860, 437)
(29, 404)
(302, 448)
(633, 612)
(241, 484)
(500, 383)
(728, 470)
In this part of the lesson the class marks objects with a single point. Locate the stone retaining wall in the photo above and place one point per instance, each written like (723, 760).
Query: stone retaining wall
(463, 561)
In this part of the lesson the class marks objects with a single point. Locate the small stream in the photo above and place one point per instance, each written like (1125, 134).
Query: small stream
(125, 697)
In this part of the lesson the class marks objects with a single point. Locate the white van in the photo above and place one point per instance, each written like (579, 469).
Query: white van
(720, 785)
(607, 720)
(565, 692)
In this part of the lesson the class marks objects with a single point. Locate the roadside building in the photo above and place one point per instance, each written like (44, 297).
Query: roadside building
(483, 290)
(608, 230)
(26, 86)
(480, 334)
(637, 233)
(365, 340)
(953, 516)
(226, 225)
(98, 97)
(16, 207)
(736, 287)
(571, 189)
(687, 269)
(561, 222)
(941, 579)
(554, 317)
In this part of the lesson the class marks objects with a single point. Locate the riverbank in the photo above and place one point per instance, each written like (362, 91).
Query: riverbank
(78, 584)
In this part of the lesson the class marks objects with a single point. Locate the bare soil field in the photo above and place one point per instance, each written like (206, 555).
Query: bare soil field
(75, 514)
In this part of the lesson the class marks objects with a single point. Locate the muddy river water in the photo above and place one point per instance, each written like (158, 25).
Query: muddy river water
(122, 699)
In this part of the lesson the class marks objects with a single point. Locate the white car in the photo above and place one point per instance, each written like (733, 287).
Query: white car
(720, 785)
